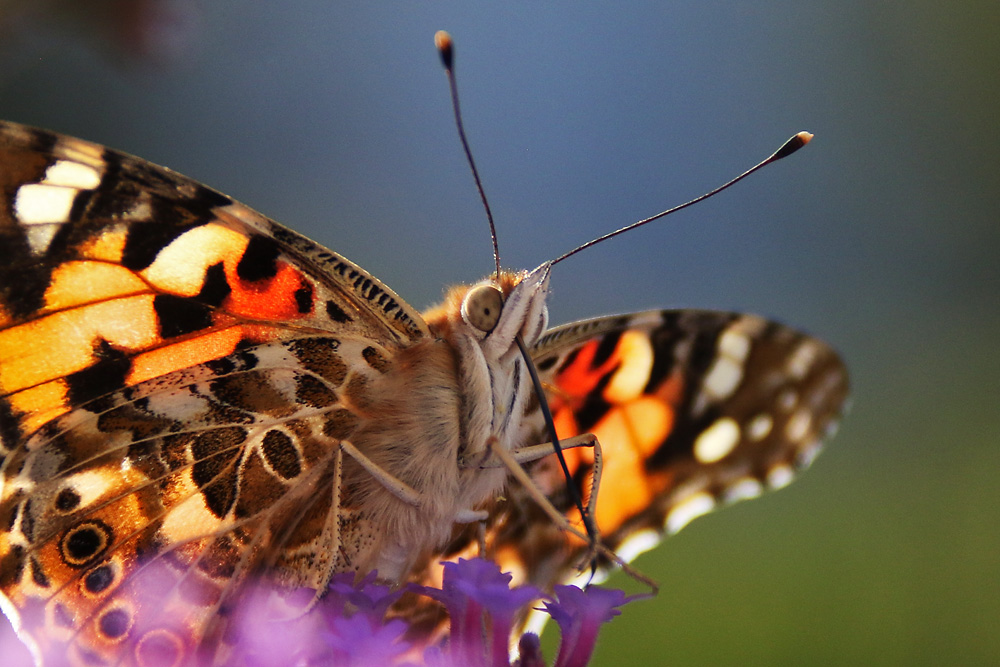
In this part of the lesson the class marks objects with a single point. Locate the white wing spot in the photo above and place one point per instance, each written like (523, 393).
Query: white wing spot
(802, 359)
(798, 425)
(180, 406)
(742, 489)
(780, 476)
(190, 520)
(40, 236)
(759, 427)
(141, 210)
(72, 175)
(726, 372)
(35, 203)
(692, 508)
(638, 543)
(734, 344)
(91, 485)
(809, 454)
(717, 441)
(723, 378)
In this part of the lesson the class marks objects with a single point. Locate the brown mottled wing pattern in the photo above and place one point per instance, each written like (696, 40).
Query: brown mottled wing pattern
(175, 372)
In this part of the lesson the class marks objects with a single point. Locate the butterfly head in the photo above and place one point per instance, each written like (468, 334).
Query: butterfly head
(492, 312)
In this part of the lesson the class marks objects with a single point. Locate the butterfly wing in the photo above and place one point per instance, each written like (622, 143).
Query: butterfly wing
(693, 410)
(129, 270)
(173, 370)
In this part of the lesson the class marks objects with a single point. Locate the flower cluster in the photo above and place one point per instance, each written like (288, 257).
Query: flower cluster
(348, 626)
(351, 625)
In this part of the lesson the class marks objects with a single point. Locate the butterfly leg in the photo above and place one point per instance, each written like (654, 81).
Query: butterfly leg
(395, 486)
(557, 517)
(533, 452)
(521, 475)
(595, 485)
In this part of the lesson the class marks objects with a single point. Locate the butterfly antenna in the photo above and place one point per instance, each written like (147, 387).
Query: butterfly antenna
(550, 425)
(789, 147)
(442, 40)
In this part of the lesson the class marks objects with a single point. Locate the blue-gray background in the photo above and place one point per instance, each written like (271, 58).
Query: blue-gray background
(882, 237)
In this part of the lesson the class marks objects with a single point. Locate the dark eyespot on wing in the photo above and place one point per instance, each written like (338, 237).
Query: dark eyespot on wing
(114, 623)
(85, 542)
(99, 579)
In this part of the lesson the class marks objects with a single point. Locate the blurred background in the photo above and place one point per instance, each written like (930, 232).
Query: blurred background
(881, 237)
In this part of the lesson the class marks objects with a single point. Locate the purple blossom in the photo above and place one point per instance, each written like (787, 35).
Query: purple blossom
(479, 598)
(366, 596)
(358, 640)
(580, 614)
(348, 625)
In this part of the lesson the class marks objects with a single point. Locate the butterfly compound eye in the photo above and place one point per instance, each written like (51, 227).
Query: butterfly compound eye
(482, 306)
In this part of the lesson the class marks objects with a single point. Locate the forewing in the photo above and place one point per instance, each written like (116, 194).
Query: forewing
(114, 271)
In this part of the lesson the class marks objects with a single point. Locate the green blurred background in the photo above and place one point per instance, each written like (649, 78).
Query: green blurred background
(882, 237)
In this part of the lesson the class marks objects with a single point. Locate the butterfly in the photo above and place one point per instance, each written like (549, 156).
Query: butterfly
(193, 395)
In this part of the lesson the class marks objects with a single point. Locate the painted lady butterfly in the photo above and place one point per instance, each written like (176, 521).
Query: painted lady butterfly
(191, 393)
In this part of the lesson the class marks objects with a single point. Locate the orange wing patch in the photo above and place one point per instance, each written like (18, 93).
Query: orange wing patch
(635, 422)
(187, 353)
(580, 377)
(207, 290)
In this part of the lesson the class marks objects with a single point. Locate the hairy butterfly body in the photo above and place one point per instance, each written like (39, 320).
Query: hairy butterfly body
(192, 395)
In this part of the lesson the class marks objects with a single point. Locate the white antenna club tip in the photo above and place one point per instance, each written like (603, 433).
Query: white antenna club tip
(789, 147)
(442, 41)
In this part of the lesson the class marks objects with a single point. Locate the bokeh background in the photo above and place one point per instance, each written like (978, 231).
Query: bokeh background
(882, 237)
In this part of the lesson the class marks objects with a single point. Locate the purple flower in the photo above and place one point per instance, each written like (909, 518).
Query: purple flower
(357, 640)
(345, 627)
(480, 601)
(349, 626)
(580, 614)
(366, 596)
